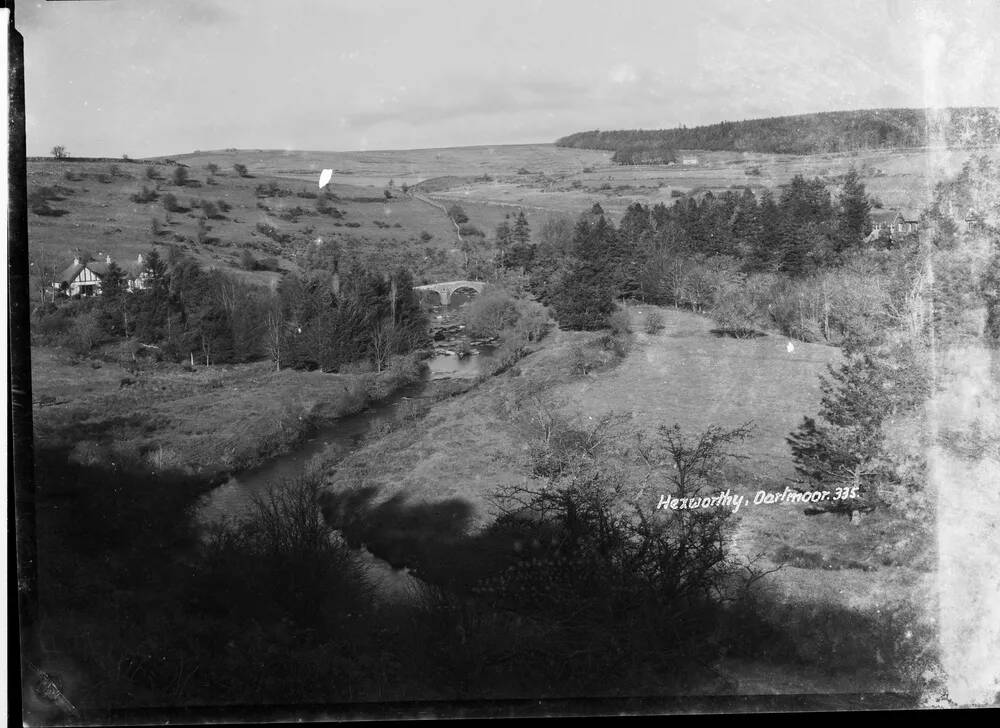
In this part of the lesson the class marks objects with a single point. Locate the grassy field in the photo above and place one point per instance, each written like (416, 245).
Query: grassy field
(543, 180)
(212, 419)
(99, 217)
(837, 583)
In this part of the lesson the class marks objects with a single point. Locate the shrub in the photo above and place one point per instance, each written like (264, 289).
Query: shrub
(180, 176)
(470, 231)
(210, 210)
(619, 322)
(605, 569)
(247, 261)
(456, 213)
(241, 170)
(654, 322)
(488, 314)
(152, 172)
(170, 203)
(425, 236)
(282, 560)
(145, 195)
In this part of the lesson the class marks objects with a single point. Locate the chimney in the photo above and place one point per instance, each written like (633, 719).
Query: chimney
(139, 259)
(107, 259)
(76, 259)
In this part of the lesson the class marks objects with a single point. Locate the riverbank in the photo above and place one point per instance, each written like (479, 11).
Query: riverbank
(208, 421)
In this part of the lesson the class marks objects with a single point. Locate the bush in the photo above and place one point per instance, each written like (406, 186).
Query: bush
(171, 204)
(425, 236)
(180, 176)
(282, 562)
(247, 261)
(470, 231)
(210, 210)
(654, 322)
(619, 322)
(457, 214)
(145, 195)
(490, 313)
(241, 170)
(608, 570)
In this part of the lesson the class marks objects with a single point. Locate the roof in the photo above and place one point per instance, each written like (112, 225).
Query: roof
(910, 215)
(69, 275)
(884, 215)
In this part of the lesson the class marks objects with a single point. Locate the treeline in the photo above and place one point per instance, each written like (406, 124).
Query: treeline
(837, 131)
(801, 264)
(644, 153)
(696, 252)
(208, 316)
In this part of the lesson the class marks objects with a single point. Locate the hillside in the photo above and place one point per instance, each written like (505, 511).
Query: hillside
(837, 131)
(94, 207)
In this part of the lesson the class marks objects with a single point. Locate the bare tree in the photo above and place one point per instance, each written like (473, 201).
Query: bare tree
(275, 325)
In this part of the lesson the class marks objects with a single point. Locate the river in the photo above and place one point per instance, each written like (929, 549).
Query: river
(234, 498)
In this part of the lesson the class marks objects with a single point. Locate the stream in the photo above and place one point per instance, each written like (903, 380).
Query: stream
(234, 498)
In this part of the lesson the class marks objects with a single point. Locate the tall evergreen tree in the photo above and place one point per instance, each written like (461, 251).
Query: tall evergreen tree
(854, 213)
(521, 232)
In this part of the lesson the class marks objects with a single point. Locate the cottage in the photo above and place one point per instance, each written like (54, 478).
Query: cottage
(893, 222)
(896, 221)
(84, 279)
(689, 161)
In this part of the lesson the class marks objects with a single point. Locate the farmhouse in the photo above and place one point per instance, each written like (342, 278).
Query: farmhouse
(896, 221)
(893, 222)
(84, 279)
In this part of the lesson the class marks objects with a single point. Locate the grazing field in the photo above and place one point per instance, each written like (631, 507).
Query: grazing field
(211, 419)
(95, 213)
(543, 177)
(838, 588)
(273, 214)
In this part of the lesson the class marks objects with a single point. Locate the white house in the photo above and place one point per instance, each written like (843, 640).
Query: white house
(84, 279)
(893, 222)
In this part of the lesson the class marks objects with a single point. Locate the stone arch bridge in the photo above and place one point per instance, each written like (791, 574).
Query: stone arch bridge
(446, 290)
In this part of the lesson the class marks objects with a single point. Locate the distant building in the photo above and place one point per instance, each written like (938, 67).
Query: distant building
(893, 222)
(84, 279)
(689, 161)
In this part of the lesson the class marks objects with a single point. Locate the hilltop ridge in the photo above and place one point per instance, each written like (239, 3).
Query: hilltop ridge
(817, 133)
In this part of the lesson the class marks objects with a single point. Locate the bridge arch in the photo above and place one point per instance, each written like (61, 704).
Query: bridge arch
(447, 289)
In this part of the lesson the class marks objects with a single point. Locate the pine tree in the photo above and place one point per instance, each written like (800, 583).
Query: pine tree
(843, 446)
(521, 233)
(854, 215)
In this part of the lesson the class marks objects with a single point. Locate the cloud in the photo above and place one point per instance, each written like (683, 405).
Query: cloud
(623, 73)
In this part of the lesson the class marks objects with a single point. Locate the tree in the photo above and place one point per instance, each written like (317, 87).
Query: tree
(584, 299)
(989, 286)
(59, 152)
(605, 566)
(212, 168)
(843, 447)
(521, 232)
(170, 203)
(854, 214)
(457, 214)
(180, 176)
(241, 169)
(504, 235)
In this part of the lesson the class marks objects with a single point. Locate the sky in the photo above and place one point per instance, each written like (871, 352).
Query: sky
(144, 78)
